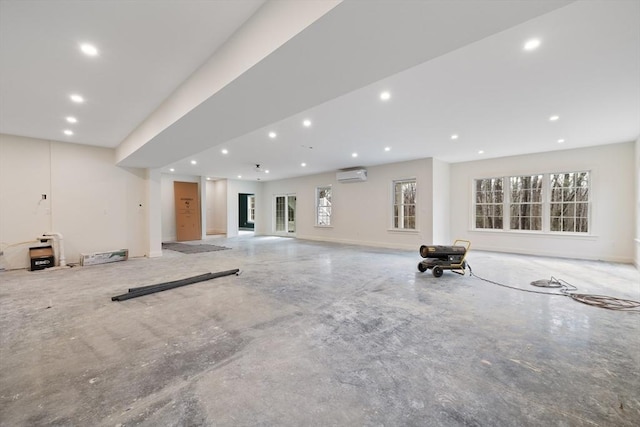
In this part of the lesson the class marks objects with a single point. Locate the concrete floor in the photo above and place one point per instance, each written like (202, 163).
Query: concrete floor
(317, 334)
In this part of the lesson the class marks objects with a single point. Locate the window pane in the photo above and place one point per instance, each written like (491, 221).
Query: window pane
(582, 225)
(412, 222)
(536, 210)
(536, 196)
(537, 223)
(582, 194)
(556, 224)
(398, 193)
(568, 224)
(569, 209)
(582, 210)
(569, 195)
(410, 210)
(515, 223)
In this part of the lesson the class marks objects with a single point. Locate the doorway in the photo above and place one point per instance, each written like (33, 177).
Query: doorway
(246, 211)
(187, 204)
(285, 214)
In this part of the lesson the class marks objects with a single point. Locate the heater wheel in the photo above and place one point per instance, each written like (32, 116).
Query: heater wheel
(437, 271)
(421, 267)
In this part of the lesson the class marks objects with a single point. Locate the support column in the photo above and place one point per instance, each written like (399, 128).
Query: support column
(154, 213)
(203, 207)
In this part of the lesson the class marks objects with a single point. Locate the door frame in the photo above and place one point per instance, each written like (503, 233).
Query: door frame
(286, 215)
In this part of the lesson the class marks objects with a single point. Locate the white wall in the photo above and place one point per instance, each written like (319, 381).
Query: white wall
(612, 191)
(637, 199)
(441, 197)
(168, 203)
(96, 205)
(217, 207)
(234, 188)
(362, 212)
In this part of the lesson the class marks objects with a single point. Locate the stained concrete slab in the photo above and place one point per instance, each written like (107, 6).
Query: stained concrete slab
(318, 334)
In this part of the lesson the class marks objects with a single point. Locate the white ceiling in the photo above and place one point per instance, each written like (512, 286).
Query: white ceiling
(147, 49)
(451, 68)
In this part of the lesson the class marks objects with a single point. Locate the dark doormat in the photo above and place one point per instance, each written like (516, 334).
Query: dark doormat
(192, 249)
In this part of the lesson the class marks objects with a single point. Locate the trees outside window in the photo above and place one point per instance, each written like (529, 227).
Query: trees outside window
(525, 206)
(569, 209)
(525, 202)
(489, 200)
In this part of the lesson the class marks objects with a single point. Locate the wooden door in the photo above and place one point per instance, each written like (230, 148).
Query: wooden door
(187, 201)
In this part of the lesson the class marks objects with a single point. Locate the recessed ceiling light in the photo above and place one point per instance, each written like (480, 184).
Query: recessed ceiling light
(553, 118)
(208, 179)
(172, 170)
(272, 135)
(89, 49)
(354, 154)
(387, 148)
(266, 171)
(193, 162)
(72, 119)
(68, 132)
(303, 164)
(532, 44)
(76, 98)
(481, 152)
(385, 95)
(306, 123)
(239, 176)
(224, 151)
(454, 136)
(560, 141)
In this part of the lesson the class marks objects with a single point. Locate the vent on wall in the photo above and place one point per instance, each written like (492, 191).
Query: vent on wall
(354, 175)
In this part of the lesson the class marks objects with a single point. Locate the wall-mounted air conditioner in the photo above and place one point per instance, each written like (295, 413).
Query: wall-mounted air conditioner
(354, 175)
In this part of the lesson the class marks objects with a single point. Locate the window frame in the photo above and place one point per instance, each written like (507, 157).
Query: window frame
(395, 227)
(531, 203)
(589, 195)
(497, 206)
(546, 203)
(328, 207)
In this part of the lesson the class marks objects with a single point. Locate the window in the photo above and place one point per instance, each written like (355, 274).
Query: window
(489, 199)
(525, 206)
(404, 204)
(569, 209)
(323, 206)
(525, 202)
(251, 208)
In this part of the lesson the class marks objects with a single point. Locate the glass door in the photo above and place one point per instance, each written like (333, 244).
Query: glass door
(285, 214)
(291, 214)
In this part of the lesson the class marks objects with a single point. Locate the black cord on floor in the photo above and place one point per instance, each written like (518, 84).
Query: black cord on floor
(566, 289)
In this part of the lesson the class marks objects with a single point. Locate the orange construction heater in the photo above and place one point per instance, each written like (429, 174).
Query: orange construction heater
(440, 258)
